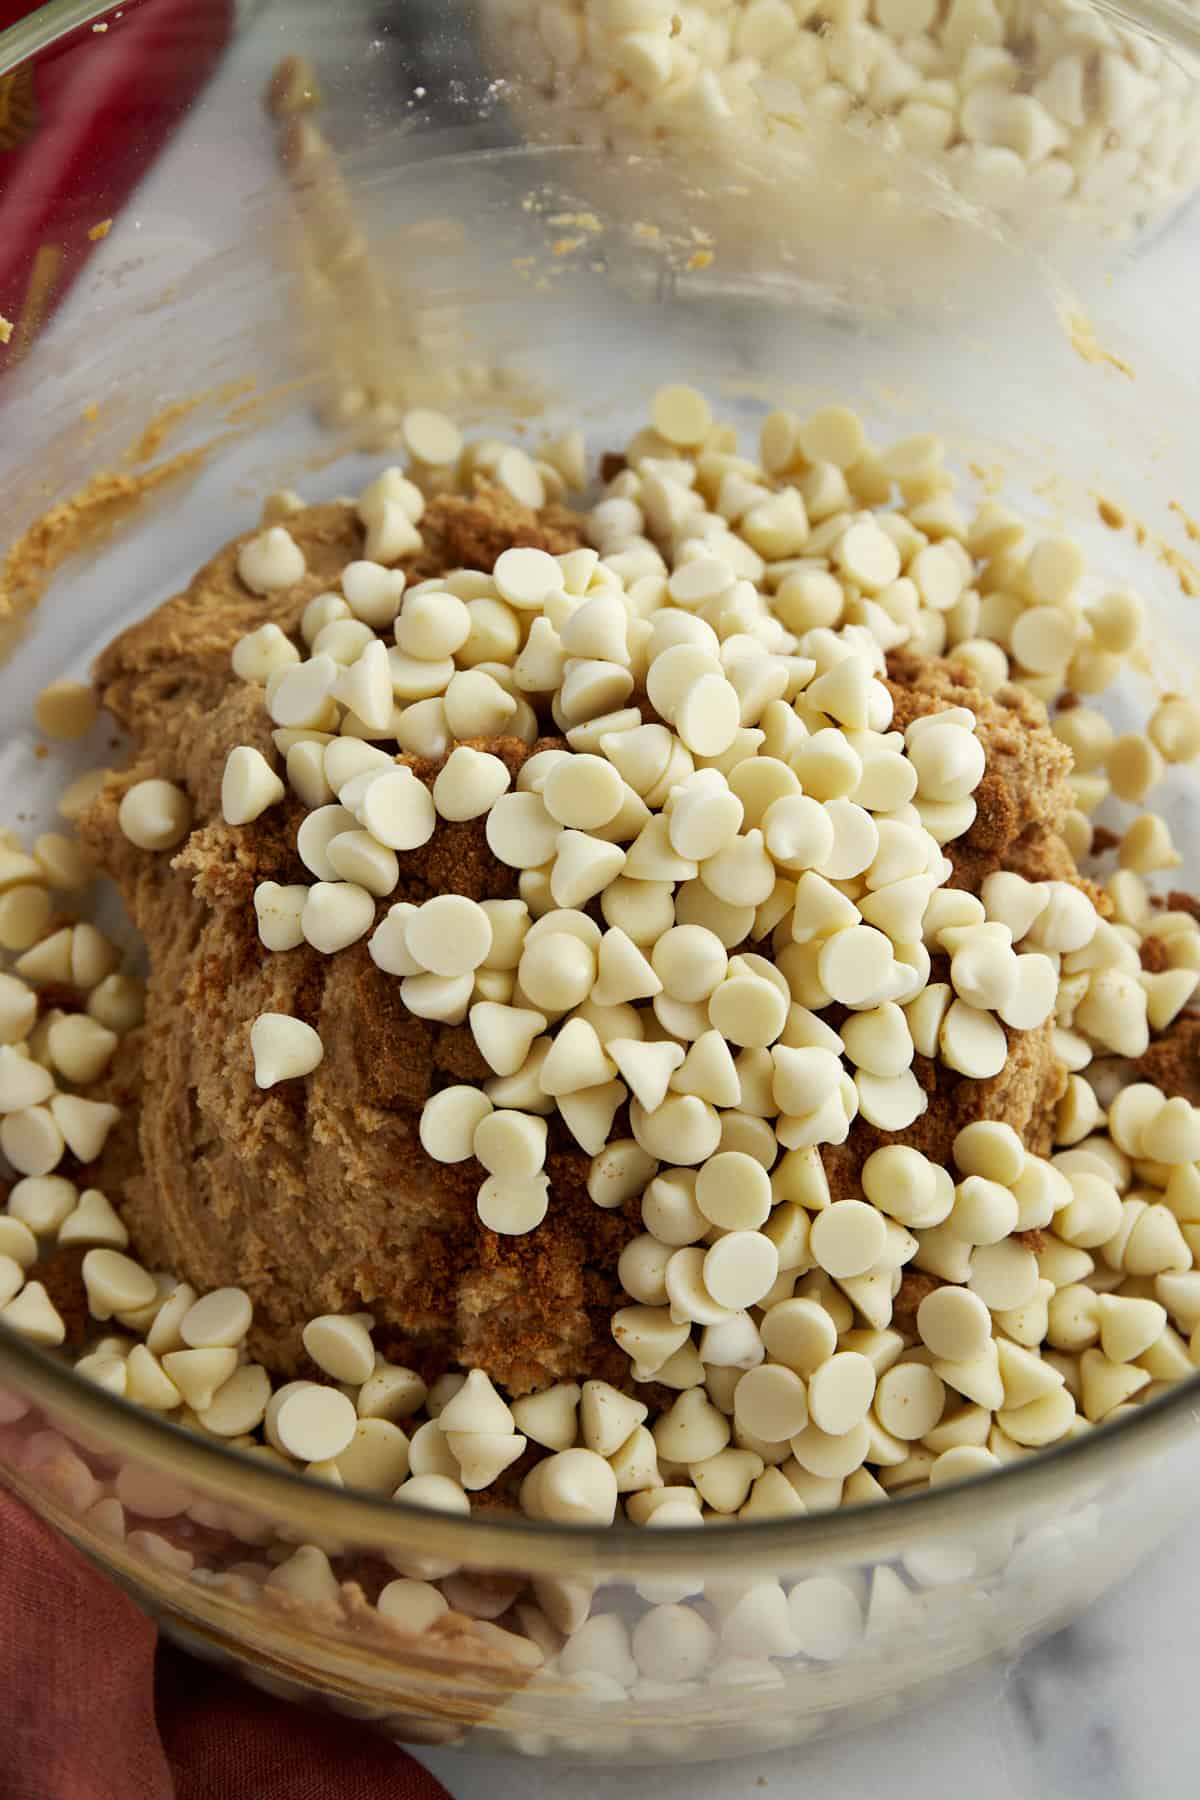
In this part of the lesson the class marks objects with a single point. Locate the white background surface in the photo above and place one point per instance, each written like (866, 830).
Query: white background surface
(1105, 1709)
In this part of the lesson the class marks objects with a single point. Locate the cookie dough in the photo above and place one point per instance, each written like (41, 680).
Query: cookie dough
(317, 1197)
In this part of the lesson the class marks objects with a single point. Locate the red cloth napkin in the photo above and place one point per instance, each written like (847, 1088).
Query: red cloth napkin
(93, 1708)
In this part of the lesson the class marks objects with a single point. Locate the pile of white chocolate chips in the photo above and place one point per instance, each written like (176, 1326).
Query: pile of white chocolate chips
(732, 846)
(1044, 109)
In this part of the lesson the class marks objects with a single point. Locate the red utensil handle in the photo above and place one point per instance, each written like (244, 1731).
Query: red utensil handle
(80, 124)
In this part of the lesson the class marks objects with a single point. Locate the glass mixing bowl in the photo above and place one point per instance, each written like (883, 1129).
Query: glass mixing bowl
(450, 230)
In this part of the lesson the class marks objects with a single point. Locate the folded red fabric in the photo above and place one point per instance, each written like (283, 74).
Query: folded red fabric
(92, 1707)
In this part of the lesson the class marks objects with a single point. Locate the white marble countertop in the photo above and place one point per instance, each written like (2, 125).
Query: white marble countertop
(1101, 1710)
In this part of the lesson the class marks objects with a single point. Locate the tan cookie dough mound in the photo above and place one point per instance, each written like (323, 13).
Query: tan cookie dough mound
(317, 1197)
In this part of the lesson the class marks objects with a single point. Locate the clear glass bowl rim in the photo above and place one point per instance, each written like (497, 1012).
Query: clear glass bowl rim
(865, 1532)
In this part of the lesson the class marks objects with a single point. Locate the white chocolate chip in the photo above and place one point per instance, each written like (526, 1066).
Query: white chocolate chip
(80, 1048)
(284, 1049)
(359, 859)
(521, 832)
(84, 1124)
(984, 1211)
(66, 710)
(527, 578)
(221, 1319)
(18, 1009)
(49, 960)
(249, 786)
(441, 997)
(909, 1400)
(803, 1079)
(314, 1423)
(365, 687)
(373, 593)
(261, 652)
(513, 1206)
(483, 1456)
(43, 1203)
(840, 1392)
(971, 1042)
(414, 1606)
(148, 1384)
(469, 784)
(279, 911)
(681, 415)
(848, 1238)
(573, 1487)
(239, 1404)
(954, 1324)
(510, 1145)
(477, 1407)
(771, 1403)
(155, 815)
(92, 956)
(271, 561)
(115, 1283)
(449, 935)
(449, 1121)
(390, 1393)
(1004, 1275)
(556, 972)
(305, 765)
(1133, 766)
(867, 556)
(740, 1268)
(23, 1082)
(33, 1314)
(398, 810)
(25, 913)
(32, 1141)
(336, 914)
